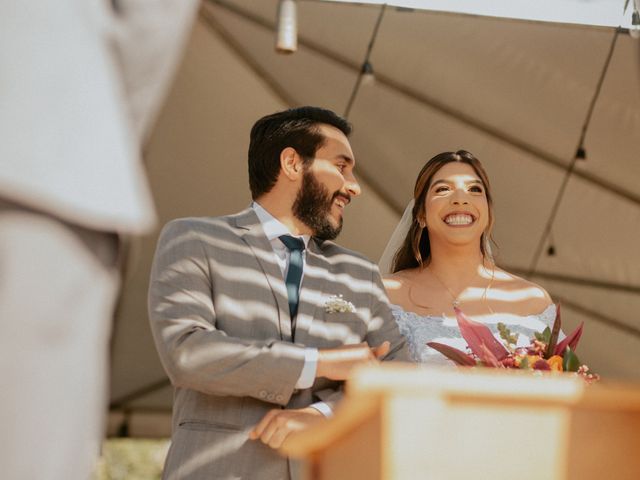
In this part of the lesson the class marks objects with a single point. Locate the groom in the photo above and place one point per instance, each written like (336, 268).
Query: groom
(257, 316)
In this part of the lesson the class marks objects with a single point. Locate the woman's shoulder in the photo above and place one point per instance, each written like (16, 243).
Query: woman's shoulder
(531, 296)
(397, 286)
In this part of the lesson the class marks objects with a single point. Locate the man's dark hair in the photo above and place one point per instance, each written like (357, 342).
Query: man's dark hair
(296, 128)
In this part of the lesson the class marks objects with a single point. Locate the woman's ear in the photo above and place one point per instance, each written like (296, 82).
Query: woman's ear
(291, 163)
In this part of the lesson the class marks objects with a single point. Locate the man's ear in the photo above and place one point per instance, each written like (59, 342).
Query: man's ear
(291, 163)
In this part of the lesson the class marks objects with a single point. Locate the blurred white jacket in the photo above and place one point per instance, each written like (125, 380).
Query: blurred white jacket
(81, 82)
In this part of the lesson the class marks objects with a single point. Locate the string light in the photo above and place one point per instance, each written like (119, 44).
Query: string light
(546, 237)
(368, 76)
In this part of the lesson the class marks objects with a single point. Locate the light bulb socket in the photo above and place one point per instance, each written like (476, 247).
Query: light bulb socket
(551, 251)
(581, 153)
(287, 32)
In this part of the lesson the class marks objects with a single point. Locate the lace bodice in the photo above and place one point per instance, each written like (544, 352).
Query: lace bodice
(418, 330)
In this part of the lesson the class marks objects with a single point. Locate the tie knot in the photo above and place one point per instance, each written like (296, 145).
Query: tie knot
(292, 243)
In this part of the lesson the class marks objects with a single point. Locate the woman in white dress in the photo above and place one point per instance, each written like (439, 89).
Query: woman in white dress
(440, 258)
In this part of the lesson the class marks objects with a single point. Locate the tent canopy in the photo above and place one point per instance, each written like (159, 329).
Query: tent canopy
(515, 93)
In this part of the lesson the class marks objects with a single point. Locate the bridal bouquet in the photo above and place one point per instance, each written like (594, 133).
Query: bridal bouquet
(544, 352)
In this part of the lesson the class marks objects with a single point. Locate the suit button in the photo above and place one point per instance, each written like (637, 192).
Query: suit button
(279, 398)
(262, 394)
(271, 396)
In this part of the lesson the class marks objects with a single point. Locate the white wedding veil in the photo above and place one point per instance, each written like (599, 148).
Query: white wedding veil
(395, 242)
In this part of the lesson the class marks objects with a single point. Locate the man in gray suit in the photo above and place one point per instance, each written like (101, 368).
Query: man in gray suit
(81, 82)
(258, 316)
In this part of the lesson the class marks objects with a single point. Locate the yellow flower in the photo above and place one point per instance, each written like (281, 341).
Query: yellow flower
(555, 362)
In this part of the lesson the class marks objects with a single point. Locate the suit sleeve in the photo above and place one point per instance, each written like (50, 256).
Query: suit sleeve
(382, 326)
(194, 353)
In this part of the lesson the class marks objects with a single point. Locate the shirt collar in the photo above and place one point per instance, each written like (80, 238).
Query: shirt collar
(274, 228)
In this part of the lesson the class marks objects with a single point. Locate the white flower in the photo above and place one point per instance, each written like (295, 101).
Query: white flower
(337, 304)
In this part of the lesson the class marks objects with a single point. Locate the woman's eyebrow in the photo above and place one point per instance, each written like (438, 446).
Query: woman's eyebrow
(450, 182)
(447, 182)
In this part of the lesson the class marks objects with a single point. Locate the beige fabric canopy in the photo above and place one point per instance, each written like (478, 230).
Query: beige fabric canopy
(515, 93)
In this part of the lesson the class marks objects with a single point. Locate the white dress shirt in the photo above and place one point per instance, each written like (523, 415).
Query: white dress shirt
(273, 229)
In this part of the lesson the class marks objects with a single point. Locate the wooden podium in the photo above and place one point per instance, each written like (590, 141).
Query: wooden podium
(404, 422)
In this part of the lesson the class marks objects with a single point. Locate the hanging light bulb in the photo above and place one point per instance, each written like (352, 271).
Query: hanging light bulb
(287, 34)
(551, 248)
(368, 77)
(634, 30)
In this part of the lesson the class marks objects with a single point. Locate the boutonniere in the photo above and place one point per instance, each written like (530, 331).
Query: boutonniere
(337, 304)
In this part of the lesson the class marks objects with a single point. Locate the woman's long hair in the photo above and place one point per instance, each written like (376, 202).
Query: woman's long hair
(416, 249)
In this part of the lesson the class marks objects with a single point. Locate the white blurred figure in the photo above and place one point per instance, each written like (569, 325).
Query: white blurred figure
(81, 82)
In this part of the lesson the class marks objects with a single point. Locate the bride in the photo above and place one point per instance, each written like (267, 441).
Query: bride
(443, 260)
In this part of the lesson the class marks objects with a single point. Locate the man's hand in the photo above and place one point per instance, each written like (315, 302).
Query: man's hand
(277, 425)
(337, 363)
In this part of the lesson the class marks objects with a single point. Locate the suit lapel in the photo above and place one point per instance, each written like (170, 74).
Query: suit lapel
(316, 273)
(252, 233)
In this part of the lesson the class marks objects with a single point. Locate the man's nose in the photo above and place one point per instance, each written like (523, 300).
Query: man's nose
(353, 187)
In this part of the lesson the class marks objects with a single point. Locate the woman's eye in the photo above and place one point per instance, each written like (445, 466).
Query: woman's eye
(476, 189)
(341, 167)
(442, 189)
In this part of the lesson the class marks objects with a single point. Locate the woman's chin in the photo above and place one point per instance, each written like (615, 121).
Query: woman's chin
(461, 238)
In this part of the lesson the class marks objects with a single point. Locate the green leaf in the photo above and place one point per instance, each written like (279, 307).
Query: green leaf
(546, 335)
(524, 364)
(539, 336)
(570, 362)
(506, 335)
(555, 331)
(504, 332)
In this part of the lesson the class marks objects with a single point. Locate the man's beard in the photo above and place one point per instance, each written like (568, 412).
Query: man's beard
(313, 207)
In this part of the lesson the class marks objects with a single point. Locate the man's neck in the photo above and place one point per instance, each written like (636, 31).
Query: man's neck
(282, 212)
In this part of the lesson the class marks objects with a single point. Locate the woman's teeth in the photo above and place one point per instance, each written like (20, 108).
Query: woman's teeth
(458, 219)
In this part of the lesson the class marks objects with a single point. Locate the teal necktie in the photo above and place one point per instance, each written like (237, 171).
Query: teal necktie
(294, 274)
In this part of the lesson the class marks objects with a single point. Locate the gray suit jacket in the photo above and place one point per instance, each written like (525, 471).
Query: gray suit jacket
(81, 84)
(220, 319)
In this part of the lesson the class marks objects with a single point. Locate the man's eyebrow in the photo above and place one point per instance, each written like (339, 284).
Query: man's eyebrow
(346, 158)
